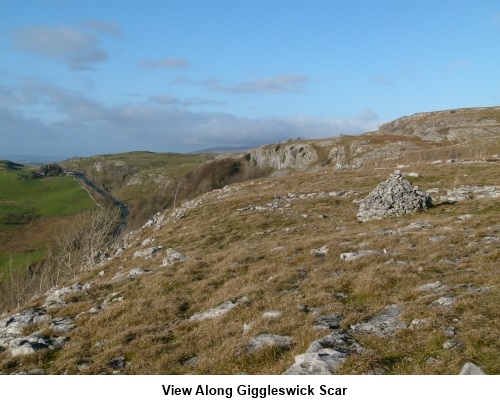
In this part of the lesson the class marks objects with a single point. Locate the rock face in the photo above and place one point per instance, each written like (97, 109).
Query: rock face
(393, 197)
(294, 156)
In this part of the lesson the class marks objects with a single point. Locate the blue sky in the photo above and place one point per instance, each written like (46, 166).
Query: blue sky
(80, 78)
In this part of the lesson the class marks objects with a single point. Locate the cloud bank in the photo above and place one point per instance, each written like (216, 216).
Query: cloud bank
(80, 125)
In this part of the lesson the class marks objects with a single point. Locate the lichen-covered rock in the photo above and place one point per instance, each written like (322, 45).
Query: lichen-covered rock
(471, 369)
(325, 356)
(393, 197)
(385, 323)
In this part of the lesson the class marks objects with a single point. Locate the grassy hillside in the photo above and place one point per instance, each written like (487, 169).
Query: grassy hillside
(30, 211)
(244, 241)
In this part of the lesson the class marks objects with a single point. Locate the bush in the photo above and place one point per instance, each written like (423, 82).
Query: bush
(52, 170)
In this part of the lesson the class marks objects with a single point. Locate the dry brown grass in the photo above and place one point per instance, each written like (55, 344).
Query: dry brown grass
(265, 256)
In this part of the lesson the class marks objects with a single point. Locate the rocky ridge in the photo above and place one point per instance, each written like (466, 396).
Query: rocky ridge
(452, 125)
(392, 141)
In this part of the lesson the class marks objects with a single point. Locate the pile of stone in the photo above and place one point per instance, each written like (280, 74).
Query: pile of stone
(393, 197)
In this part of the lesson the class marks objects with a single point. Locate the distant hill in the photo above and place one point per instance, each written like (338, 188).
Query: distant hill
(33, 159)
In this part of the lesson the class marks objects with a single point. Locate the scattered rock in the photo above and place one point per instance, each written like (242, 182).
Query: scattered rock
(156, 220)
(218, 311)
(83, 366)
(437, 238)
(272, 315)
(95, 310)
(113, 297)
(11, 330)
(118, 276)
(117, 362)
(328, 321)
(55, 296)
(63, 324)
(33, 343)
(449, 332)
(148, 253)
(172, 258)
(419, 225)
(450, 344)
(193, 361)
(350, 256)
(386, 322)
(418, 323)
(136, 273)
(469, 192)
(148, 241)
(325, 356)
(444, 301)
(267, 340)
(437, 285)
(471, 369)
(247, 326)
(322, 251)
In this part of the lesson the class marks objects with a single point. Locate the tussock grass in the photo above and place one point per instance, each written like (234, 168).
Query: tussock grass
(265, 256)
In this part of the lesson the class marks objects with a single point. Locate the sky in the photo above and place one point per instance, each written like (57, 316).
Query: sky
(81, 78)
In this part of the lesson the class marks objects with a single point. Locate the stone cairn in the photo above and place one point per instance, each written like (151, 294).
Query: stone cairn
(393, 197)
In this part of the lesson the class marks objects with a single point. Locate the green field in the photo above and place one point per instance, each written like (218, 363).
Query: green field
(28, 208)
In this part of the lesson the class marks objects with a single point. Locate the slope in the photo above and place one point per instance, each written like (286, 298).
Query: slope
(238, 280)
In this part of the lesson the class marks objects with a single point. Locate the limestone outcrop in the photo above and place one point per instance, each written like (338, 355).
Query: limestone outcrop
(292, 156)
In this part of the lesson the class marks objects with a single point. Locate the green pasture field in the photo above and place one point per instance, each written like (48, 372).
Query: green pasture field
(24, 200)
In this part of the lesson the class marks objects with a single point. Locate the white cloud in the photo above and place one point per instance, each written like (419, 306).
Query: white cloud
(287, 83)
(167, 63)
(183, 102)
(76, 48)
(83, 125)
(109, 28)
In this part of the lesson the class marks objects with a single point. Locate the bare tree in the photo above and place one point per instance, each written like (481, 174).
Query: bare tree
(76, 249)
